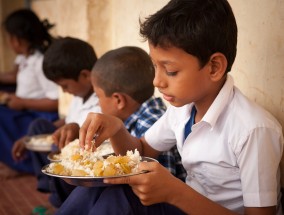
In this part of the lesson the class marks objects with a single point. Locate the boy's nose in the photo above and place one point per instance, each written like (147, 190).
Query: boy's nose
(159, 81)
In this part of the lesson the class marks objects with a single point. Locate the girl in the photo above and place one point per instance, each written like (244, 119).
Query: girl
(35, 95)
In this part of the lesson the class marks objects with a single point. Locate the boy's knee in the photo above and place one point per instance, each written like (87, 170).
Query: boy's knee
(39, 126)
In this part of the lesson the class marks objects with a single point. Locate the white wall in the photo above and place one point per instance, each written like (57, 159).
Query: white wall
(259, 65)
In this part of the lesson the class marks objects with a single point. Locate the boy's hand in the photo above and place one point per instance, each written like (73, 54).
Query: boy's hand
(4, 97)
(149, 187)
(66, 134)
(97, 128)
(19, 150)
(15, 102)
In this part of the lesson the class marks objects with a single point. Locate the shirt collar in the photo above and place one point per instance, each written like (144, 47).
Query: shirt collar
(220, 102)
(90, 102)
(134, 117)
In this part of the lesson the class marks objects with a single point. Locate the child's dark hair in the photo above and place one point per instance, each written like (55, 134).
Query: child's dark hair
(127, 70)
(199, 27)
(25, 24)
(67, 57)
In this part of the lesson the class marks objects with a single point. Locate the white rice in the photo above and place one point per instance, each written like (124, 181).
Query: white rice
(74, 158)
(41, 140)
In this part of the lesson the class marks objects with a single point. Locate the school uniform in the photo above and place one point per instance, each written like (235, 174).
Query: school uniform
(78, 109)
(31, 81)
(31, 84)
(77, 113)
(83, 200)
(231, 155)
(141, 120)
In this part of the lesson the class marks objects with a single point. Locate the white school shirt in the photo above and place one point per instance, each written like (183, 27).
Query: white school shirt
(31, 81)
(232, 155)
(78, 110)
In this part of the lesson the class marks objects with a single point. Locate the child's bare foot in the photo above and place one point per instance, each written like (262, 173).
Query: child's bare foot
(7, 173)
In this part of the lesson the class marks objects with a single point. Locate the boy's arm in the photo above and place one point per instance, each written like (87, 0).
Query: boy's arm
(65, 134)
(193, 202)
(151, 190)
(103, 126)
(9, 77)
(44, 104)
(58, 123)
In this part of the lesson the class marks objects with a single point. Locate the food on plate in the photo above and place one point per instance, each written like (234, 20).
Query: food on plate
(87, 163)
(74, 149)
(41, 140)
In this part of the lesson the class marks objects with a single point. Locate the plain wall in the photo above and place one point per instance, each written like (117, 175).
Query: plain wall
(109, 24)
(6, 54)
(259, 65)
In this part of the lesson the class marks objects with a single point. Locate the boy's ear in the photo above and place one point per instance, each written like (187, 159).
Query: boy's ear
(17, 41)
(218, 66)
(120, 100)
(84, 73)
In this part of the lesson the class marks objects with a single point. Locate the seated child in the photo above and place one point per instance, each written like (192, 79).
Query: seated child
(123, 81)
(35, 95)
(230, 147)
(68, 63)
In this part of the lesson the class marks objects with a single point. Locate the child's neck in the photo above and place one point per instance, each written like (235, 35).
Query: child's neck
(203, 106)
(85, 98)
(132, 107)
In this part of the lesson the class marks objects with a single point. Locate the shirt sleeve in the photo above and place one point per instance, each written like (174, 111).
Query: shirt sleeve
(50, 89)
(260, 151)
(161, 136)
(18, 59)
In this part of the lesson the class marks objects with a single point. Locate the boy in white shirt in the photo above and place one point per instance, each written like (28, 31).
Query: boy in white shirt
(68, 63)
(230, 147)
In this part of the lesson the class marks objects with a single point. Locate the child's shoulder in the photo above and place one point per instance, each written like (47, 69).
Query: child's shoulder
(35, 59)
(247, 113)
(153, 108)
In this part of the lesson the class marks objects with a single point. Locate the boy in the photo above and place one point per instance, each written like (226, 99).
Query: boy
(68, 63)
(233, 152)
(123, 81)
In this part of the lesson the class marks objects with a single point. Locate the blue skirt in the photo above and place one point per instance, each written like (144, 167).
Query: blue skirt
(14, 125)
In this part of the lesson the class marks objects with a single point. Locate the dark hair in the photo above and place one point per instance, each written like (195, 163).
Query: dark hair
(25, 24)
(67, 57)
(199, 27)
(127, 70)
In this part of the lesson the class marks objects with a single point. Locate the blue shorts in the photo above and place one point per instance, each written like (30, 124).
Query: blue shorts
(111, 200)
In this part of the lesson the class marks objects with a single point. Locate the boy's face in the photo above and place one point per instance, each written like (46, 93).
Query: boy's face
(178, 76)
(107, 104)
(73, 87)
(16, 44)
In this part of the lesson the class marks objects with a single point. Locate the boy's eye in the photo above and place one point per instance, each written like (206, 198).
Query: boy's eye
(64, 87)
(171, 73)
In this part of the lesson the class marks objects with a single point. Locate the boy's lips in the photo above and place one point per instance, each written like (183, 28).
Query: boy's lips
(167, 97)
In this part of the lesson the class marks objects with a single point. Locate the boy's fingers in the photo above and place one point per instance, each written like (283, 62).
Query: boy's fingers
(87, 133)
(92, 135)
(122, 180)
(83, 132)
(143, 168)
(68, 139)
(62, 139)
